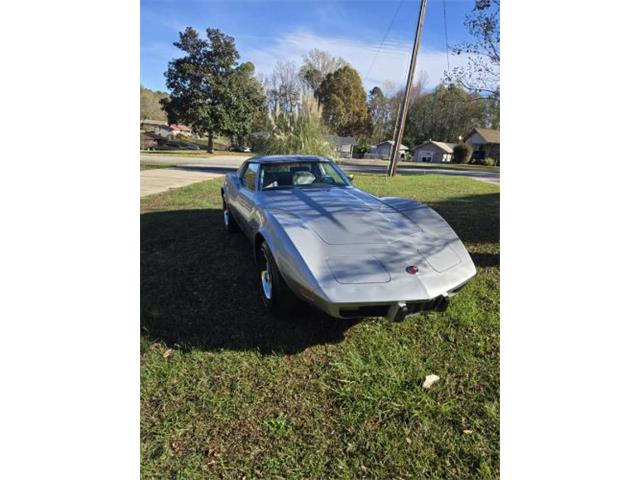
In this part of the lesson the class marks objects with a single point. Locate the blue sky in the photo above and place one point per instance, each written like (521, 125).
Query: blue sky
(267, 31)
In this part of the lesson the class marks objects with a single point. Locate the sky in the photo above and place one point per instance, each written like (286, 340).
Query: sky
(267, 31)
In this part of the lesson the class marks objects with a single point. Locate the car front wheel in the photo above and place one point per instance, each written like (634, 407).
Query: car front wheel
(276, 295)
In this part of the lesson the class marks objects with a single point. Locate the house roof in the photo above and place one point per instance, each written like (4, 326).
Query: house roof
(488, 135)
(403, 146)
(341, 140)
(445, 147)
(179, 126)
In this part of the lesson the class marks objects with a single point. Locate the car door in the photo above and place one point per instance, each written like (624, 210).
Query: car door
(246, 198)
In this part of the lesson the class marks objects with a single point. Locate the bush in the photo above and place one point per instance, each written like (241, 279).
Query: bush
(300, 133)
(462, 153)
(487, 162)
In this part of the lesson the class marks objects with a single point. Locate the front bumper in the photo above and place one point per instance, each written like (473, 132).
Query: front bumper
(391, 310)
(396, 311)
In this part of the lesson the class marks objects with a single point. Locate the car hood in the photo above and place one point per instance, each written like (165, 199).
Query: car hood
(357, 247)
(343, 216)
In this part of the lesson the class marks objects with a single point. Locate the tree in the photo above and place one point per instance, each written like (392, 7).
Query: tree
(283, 88)
(381, 111)
(317, 64)
(444, 114)
(247, 103)
(482, 72)
(344, 102)
(462, 153)
(150, 107)
(209, 89)
(493, 111)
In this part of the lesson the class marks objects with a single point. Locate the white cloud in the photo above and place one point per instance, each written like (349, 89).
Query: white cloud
(391, 62)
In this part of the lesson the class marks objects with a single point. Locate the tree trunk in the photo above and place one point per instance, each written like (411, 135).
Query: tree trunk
(210, 143)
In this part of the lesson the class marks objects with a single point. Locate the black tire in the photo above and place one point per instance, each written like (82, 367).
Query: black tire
(276, 295)
(230, 224)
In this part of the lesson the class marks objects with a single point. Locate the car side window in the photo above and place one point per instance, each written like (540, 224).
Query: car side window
(250, 176)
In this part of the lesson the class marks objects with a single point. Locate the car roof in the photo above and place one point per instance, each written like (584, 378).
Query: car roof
(288, 158)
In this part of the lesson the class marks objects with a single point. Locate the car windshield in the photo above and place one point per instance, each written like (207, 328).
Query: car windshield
(301, 175)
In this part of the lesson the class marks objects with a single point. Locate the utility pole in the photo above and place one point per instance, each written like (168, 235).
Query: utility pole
(404, 106)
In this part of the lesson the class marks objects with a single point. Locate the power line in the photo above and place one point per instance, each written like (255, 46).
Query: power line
(384, 38)
(446, 33)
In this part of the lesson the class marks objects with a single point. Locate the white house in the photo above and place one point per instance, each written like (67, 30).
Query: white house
(433, 152)
(170, 132)
(343, 145)
(383, 150)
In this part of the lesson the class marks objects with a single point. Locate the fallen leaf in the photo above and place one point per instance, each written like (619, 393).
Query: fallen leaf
(167, 353)
(430, 380)
(467, 431)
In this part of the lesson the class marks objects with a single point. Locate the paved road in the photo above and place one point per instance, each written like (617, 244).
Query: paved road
(227, 163)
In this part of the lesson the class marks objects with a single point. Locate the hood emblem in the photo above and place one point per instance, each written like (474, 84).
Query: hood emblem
(412, 269)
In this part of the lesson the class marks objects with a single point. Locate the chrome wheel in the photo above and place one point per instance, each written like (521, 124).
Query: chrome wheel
(226, 218)
(266, 277)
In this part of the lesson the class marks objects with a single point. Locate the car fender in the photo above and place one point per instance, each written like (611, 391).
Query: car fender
(431, 222)
(276, 228)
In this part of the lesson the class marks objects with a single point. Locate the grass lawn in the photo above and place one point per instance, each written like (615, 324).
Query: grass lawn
(151, 166)
(452, 166)
(228, 391)
(425, 165)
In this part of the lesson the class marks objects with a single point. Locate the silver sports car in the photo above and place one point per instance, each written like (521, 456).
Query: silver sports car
(318, 238)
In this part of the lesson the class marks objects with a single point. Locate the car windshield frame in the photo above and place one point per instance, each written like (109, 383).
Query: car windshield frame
(325, 164)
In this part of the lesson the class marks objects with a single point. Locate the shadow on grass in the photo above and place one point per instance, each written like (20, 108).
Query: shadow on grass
(199, 286)
(476, 220)
(199, 289)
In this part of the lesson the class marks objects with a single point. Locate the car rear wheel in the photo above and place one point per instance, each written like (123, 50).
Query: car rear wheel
(230, 224)
(276, 295)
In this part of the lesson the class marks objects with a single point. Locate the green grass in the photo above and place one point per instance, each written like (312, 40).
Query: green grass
(242, 394)
(444, 166)
(453, 166)
(153, 166)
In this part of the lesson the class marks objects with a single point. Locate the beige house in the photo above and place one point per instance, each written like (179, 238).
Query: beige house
(433, 152)
(485, 143)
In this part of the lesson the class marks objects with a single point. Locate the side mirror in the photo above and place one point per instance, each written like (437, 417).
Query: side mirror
(350, 177)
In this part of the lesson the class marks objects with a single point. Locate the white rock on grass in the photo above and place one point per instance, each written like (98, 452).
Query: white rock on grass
(430, 380)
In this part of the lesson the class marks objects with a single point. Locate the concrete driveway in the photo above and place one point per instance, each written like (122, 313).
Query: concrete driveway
(159, 180)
